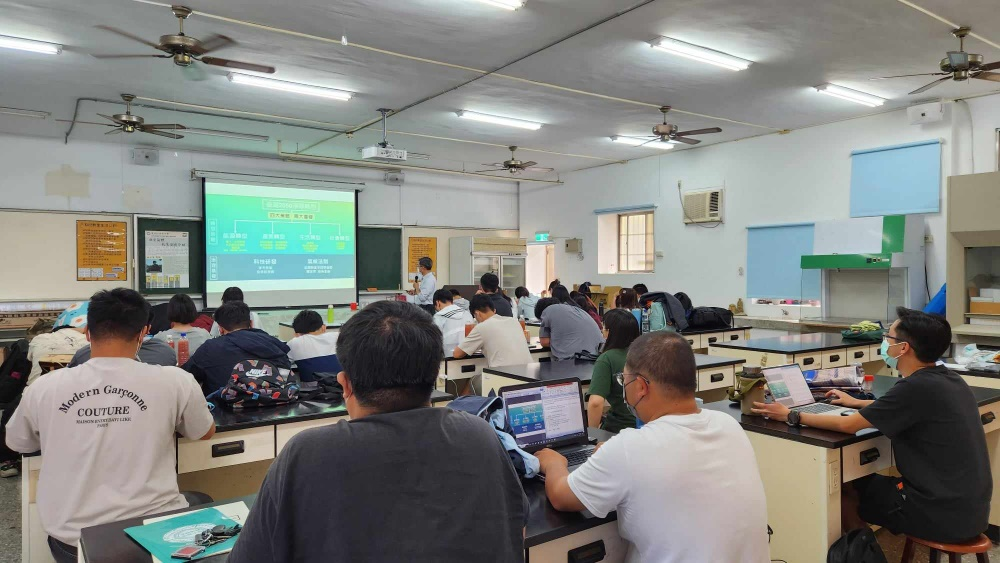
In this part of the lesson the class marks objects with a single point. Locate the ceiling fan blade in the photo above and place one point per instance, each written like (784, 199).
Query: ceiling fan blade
(213, 43)
(994, 76)
(491, 170)
(539, 169)
(114, 132)
(990, 66)
(959, 60)
(653, 140)
(929, 86)
(174, 126)
(699, 131)
(108, 117)
(528, 164)
(237, 64)
(685, 140)
(128, 35)
(906, 75)
(162, 133)
(194, 72)
(130, 56)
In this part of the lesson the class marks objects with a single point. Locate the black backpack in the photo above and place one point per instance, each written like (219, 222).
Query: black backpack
(685, 302)
(14, 371)
(710, 318)
(856, 546)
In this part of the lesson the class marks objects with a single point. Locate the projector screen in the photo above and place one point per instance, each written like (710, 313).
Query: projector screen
(284, 247)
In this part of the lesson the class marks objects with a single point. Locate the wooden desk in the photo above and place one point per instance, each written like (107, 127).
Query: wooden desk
(549, 534)
(811, 351)
(804, 470)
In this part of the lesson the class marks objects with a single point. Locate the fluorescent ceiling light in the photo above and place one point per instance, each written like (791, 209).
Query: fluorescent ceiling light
(509, 122)
(30, 45)
(228, 134)
(633, 142)
(850, 95)
(506, 4)
(701, 54)
(293, 87)
(25, 112)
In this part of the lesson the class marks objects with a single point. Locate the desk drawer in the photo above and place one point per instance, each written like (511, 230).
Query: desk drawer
(835, 358)
(225, 449)
(859, 355)
(865, 458)
(990, 417)
(715, 378)
(733, 335)
(600, 537)
(694, 340)
(284, 432)
(464, 369)
(713, 338)
(809, 361)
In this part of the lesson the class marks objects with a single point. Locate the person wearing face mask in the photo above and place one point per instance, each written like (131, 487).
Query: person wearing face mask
(686, 485)
(938, 444)
(107, 428)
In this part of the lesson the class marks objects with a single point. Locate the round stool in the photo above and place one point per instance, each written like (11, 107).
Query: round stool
(980, 546)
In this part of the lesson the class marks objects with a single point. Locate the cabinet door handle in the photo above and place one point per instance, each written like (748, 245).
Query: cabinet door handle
(228, 448)
(808, 361)
(859, 354)
(590, 553)
(469, 368)
(835, 358)
(987, 417)
(717, 377)
(734, 337)
(870, 455)
(713, 339)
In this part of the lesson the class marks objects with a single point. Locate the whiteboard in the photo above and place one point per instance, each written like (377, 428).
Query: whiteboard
(858, 235)
(39, 262)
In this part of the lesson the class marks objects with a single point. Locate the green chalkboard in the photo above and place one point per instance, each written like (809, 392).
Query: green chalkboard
(380, 258)
(159, 259)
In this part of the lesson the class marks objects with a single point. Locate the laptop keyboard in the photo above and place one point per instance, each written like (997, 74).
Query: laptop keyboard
(579, 457)
(818, 408)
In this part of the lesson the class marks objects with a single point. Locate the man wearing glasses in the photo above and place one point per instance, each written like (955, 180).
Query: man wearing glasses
(685, 485)
(932, 418)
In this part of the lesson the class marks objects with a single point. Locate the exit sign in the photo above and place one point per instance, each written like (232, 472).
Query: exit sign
(541, 237)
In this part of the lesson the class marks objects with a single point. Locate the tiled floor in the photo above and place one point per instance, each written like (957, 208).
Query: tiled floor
(893, 548)
(10, 520)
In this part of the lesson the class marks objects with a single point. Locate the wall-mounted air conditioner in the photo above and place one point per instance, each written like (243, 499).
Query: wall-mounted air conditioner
(703, 206)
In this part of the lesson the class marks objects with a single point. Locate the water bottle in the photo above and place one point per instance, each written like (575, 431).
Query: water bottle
(329, 314)
(645, 321)
(170, 342)
(868, 384)
(183, 352)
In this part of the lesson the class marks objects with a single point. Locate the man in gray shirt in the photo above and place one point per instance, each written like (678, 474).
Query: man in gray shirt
(567, 329)
(154, 352)
(400, 481)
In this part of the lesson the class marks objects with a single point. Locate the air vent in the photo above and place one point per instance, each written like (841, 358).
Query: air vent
(703, 207)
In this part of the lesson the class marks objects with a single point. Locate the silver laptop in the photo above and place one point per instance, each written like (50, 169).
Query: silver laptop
(549, 414)
(788, 386)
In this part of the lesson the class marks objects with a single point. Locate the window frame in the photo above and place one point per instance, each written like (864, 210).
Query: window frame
(648, 234)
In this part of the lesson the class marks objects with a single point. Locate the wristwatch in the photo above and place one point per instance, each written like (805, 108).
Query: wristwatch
(794, 418)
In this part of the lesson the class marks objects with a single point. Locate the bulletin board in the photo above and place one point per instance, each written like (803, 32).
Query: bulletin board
(418, 247)
(101, 250)
(40, 256)
(170, 255)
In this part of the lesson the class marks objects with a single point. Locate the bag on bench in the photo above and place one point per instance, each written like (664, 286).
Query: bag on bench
(258, 383)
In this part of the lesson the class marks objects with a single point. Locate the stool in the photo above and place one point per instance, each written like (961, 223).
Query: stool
(980, 546)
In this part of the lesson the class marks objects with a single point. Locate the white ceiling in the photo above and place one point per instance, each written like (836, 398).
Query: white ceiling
(794, 45)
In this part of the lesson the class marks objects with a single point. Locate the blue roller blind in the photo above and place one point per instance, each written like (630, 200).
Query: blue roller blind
(896, 180)
(774, 254)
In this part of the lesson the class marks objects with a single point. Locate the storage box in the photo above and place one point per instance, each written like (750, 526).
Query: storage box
(981, 308)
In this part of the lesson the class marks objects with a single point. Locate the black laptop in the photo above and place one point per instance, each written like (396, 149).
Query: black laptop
(549, 414)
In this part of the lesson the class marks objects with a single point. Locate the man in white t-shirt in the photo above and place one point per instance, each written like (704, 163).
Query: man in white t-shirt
(685, 485)
(451, 319)
(107, 428)
(499, 338)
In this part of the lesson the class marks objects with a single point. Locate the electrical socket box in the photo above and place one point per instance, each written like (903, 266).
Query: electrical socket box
(925, 113)
(834, 477)
(574, 245)
(395, 178)
(145, 157)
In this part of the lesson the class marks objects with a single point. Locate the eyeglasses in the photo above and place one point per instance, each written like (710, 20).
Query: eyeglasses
(896, 338)
(620, 378)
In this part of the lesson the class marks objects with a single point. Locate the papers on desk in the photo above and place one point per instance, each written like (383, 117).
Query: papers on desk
(166, 534)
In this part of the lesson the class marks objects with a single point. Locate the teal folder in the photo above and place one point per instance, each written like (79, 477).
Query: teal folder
(162, 538)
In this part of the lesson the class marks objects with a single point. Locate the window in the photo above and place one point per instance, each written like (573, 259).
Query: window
(635, 242)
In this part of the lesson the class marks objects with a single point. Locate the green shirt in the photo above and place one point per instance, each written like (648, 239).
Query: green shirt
(603, 384)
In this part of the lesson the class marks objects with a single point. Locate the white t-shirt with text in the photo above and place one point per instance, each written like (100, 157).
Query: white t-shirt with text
(106, 431)
(686, 488)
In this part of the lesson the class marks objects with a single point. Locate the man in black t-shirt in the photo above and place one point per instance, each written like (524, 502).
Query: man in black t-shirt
(938, 442)
(400, 481)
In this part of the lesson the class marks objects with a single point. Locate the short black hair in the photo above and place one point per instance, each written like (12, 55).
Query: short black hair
(455, 292)
(521, 291)
(627, 298)
(482, 303)
(307, 321)
(623, 329)
(489, 282)
(444, 296)
(543, 304)
(391, 353)
(665, 358)
(426, 262)
(233, 315)
(181, 309)
(117, 314)
(640, 289)
(232, 294)
(929, 335)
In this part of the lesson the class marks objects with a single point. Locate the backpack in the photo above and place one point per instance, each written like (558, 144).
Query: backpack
(14, 371)
(685, 302)
(710, 318)
(665, 312)
(258, 383)
(856, 546)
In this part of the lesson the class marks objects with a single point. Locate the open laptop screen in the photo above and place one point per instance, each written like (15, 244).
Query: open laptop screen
(546, 414)
(788, 385)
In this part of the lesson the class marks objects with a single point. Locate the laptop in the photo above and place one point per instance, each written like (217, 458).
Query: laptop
(788, 386)
(549, 414)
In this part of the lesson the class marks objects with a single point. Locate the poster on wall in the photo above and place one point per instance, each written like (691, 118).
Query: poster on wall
(167, 256)
(101, 251)
(418, 248)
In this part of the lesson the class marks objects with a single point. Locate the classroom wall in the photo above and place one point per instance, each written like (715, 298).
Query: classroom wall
(443, 263)
(801, 176)
(89, 176)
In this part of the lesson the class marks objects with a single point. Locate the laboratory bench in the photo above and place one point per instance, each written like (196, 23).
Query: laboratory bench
(455, 370)
(700, 340)
(810, 351)
(804, 470)
(549, 534)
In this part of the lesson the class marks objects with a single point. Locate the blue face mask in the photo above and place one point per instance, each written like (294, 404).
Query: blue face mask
(884, 353)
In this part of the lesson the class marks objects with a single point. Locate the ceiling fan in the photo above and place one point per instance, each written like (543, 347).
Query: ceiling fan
(186, 50)
(668, 133)
(128, 123)
(958, 66)
(515, 166)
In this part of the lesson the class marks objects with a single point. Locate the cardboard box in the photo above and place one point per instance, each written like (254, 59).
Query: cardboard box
(984, 308)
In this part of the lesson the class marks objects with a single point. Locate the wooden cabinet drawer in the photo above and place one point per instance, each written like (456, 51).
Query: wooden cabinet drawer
(873, 352)
(712, 338)
(600, 537)
(715, 378)
(225, 449)
(990, 417)
(464, 369)
(865, 458)
(694, 340)
(835, 358)
(733, 335)
(859, 355)
(284, 432)
(809, 361)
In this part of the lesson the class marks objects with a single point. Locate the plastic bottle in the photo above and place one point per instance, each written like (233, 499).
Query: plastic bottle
(170, 341)
(329, 314)
(183, 353)
(645, 321)
(868, 384)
